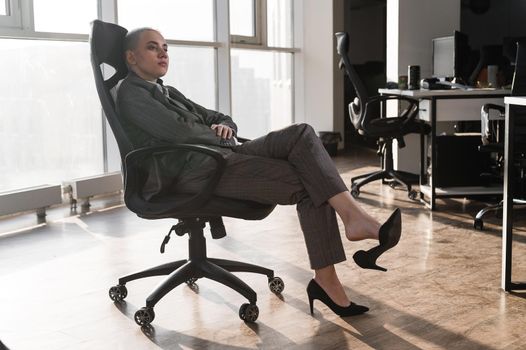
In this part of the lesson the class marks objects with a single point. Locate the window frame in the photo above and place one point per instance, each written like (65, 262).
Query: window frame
(260, 26)
(12, 17)
(259, 40)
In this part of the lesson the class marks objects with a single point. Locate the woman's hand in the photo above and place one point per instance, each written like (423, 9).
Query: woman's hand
(223, 131)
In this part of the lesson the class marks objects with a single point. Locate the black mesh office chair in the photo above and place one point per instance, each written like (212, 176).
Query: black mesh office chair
(192, 211)
(366, 121)
(491, 134)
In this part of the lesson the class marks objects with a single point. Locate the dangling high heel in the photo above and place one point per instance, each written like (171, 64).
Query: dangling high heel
(314, 291)
(389, 235)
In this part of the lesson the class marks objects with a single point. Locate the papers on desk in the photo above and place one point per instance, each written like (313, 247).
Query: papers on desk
(455, 85)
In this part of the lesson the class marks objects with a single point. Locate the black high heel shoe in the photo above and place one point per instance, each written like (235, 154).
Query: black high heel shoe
(389, 236)
(314, 291)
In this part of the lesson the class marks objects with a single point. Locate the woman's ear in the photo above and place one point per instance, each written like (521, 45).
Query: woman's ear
(130, 57)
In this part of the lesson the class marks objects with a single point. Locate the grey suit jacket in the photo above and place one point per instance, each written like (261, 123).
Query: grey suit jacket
(151, 118)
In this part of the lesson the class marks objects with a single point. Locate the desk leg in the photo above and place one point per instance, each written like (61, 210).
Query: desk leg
(431, 181)
(383, 113)
(507, 217)
(422, 164)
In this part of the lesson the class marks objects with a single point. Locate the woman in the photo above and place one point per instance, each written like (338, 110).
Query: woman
(288, 166)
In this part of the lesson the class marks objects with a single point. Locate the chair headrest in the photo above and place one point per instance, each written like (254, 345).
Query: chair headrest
(106, 42)
(342, 43)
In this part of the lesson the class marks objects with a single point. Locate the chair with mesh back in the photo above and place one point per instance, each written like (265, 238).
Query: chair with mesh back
(193, 211)
(364, 118)
(493, 140)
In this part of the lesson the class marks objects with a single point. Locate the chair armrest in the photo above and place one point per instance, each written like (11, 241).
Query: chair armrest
(409, 114)
(133, 181)
(380, 98)
(242, 139)
(489, 106)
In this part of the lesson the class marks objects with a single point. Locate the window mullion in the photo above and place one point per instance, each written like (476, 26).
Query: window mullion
(261, 22)
(107, 10)
(28, 15)
(223, 86)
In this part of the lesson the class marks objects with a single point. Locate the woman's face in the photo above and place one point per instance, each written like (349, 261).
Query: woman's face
(149, 59)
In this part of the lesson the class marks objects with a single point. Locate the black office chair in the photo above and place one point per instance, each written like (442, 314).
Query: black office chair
(192, 211)
(367, 122)
(492, 135)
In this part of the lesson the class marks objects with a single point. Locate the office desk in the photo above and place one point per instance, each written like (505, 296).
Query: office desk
(515, 108)
(447, 105)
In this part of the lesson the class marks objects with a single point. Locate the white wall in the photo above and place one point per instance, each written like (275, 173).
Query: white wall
(317, 59)
(411, 25)
(419, 22)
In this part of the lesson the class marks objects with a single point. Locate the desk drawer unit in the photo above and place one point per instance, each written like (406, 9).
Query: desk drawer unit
(455, 109)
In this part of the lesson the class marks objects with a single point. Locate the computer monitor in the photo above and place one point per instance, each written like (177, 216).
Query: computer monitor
(444, 57)
(518, 87)
(509, 48)
(451, 56)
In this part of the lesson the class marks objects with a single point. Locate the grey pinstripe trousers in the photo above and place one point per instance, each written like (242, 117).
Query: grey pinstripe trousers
(290, 166)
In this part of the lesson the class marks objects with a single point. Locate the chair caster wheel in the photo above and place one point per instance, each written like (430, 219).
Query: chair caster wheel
(413, 195)
(392, 184)
(478, 224)
(249, 312)
(276, 285)
(118, 292)
(144, 316)
(355, 192)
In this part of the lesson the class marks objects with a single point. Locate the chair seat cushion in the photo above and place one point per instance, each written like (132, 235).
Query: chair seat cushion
(395, 127)
(216, 206)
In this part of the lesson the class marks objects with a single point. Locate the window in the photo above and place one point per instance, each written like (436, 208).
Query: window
(79, 14)
(50, 120)
(51, 126)
(243, 18)
(188, 26)
(192, 71)
(261, 91)
(279, 23)
(246, 21)
(175, 19)
(261, 22)
(261, 65)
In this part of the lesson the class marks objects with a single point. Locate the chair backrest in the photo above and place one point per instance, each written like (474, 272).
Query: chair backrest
(518, 86)
(357, 107)
(106, 40)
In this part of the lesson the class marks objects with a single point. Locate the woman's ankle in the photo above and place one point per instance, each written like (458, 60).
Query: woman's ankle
(328, 280)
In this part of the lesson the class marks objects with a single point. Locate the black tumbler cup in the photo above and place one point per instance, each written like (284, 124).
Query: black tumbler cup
(413, 73)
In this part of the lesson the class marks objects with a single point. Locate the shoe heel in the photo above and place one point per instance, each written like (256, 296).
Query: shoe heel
(367, 260)
(311, 304)
(389, 236)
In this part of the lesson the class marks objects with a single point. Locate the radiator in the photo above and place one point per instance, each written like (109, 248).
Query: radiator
(87, 187)
(32, 198)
